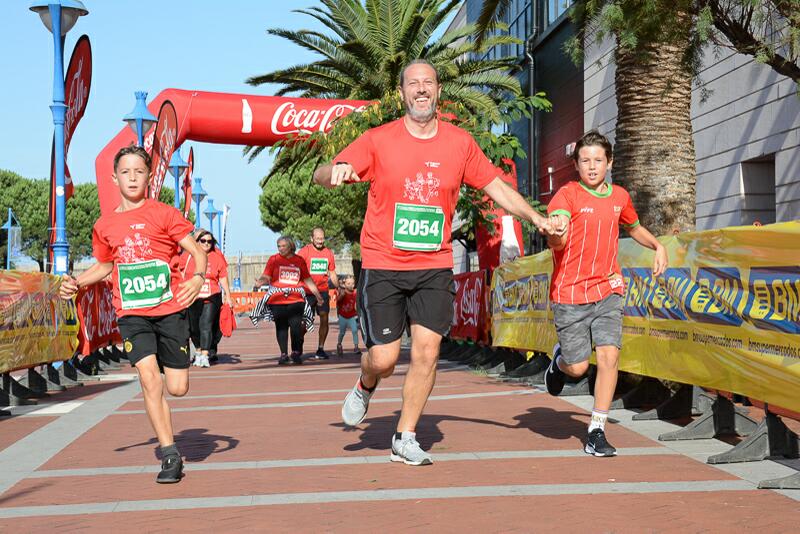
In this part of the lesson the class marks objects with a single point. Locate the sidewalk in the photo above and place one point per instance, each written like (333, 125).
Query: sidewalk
(266, 452)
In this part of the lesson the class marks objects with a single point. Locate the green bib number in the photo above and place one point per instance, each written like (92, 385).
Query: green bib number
(418, 228)
(319, 266)
(144, 284)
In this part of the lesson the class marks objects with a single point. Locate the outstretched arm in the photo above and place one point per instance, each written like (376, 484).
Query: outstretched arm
(642, 235)
(515, 204)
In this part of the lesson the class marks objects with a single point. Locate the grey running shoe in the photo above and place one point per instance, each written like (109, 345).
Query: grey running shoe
(355, 406)
(409, 452)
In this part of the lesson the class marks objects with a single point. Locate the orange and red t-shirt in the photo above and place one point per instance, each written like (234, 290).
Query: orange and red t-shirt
(346, 304)
(414, 187)
(286, 272)
(586, 269)
(216, 268)
(142, 244)
(319, 263)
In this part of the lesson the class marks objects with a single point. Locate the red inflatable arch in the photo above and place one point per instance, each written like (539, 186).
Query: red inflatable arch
(227, 119)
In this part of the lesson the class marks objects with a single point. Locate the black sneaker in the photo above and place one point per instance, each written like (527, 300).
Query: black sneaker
(297, 358)
(554, 376)
(321, 355)
(284, 360)
(597, 444)
(171, 470)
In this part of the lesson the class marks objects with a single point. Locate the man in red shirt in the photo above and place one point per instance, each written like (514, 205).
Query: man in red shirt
(136, 245)
(321, 265)
(415, 167)
(586, 288)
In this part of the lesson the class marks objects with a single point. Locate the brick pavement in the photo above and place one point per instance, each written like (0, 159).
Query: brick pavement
(266, 452)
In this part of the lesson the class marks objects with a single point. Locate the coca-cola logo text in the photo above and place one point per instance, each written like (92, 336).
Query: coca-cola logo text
(470, 302)
(288, 120)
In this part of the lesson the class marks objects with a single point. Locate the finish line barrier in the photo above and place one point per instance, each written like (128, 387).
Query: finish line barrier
(724, 316)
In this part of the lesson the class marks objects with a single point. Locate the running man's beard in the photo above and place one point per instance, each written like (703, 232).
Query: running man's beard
(421, 116)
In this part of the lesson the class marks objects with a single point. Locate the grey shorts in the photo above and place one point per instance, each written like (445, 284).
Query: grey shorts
(581, 326)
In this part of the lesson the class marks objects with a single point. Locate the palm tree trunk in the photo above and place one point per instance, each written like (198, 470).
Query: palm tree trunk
(654, 154)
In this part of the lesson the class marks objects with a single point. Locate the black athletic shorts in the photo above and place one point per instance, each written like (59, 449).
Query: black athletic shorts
(166, 336)
(325, 307)
(389, 300)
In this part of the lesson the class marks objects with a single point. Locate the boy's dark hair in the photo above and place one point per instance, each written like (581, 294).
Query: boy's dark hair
(132, 149)
(594, 138)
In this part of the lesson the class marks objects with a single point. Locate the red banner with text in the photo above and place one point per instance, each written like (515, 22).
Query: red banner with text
(97, 318)
(470, 307)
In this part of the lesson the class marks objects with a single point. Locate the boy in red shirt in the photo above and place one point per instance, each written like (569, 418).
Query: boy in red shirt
(586, 290)
(346, 310)
(136, 245)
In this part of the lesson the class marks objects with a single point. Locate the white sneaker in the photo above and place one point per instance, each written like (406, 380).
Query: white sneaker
(204, 361)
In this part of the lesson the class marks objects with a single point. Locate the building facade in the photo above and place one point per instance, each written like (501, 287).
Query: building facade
(745, 118)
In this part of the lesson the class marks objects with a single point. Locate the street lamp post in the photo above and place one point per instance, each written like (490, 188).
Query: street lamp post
(140, 119)
(211, 213)
(177, 167)
(218, 235)
(11, 224)
(59, 16)
(198, 194)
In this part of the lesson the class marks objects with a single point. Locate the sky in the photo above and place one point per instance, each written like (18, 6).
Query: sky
(148, 45)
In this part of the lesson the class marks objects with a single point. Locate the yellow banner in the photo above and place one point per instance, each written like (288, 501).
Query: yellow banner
(36, 326)
(725, 315)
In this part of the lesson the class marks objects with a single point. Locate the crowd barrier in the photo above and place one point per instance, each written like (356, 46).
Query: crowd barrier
(470, 320)
(245, 301)
(725, 317)
(37, 328)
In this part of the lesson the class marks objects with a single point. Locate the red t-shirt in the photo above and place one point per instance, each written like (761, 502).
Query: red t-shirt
(586, 269)
(319, 263)
(414, 186)
(142, 244)
(286, 272)
(216, 268)
(346, 304)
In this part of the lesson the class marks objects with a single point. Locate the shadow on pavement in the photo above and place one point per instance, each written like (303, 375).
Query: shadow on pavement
(195, 444)
(376, 432)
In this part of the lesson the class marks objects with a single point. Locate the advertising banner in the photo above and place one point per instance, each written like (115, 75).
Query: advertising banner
(36, 326)
(98, 321)
(166, 132)
(470, 307)
(724, 316)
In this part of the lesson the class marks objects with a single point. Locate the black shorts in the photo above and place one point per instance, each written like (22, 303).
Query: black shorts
(389, 300)
(325, 307)
(166, 336)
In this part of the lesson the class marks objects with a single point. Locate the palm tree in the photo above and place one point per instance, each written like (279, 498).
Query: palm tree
(656, 55)
(367, 45)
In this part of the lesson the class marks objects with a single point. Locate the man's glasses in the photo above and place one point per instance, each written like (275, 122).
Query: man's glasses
(205, 240)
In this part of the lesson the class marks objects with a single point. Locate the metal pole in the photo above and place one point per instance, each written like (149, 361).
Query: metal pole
(176, 171)
(197, 212)
(139, 132)
(59, 110)
(8, 242)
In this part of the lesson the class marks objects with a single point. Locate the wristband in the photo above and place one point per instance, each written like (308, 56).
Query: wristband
(341, 163)
(201, 275)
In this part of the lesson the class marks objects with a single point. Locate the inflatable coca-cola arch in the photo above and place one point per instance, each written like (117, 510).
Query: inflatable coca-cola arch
(238, 119)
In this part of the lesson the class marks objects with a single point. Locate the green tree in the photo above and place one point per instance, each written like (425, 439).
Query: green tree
(368, 44)
(361, 59)
(29, 199)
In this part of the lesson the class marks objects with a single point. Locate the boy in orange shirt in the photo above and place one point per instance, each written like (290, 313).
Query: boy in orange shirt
(136, 244)
(587, 289)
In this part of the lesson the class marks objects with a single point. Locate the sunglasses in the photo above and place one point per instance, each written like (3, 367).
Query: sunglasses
(205, 240)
